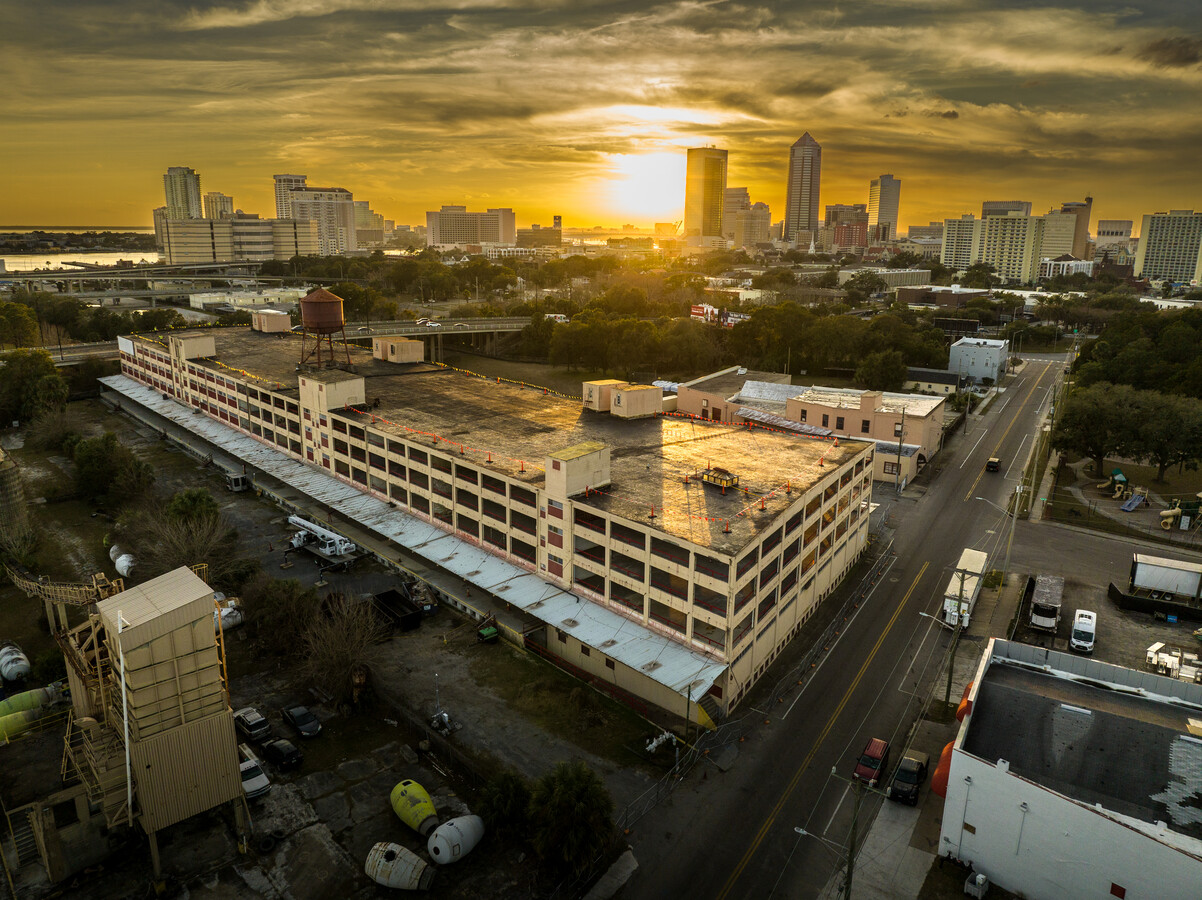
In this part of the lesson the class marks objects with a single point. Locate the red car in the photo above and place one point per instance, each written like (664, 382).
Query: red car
(873, 762)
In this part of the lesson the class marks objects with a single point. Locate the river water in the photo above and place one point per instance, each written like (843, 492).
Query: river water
(29, 262)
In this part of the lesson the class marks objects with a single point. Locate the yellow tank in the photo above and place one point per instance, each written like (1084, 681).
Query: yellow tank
(411, 802)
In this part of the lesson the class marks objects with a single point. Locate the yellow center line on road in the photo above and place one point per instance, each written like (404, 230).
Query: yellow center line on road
(998, 446)
(805, 763)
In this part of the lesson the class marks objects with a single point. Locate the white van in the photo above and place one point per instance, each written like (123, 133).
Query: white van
(1085, 630)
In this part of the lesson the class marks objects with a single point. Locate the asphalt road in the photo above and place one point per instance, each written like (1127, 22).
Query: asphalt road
(732, 834)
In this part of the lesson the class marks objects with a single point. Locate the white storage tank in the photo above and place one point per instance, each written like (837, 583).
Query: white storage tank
(123, 561)
(14, 664)
(455, 839)
(393, 866)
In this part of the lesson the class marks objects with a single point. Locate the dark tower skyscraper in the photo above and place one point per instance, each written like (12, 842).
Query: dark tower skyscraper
(805, 180)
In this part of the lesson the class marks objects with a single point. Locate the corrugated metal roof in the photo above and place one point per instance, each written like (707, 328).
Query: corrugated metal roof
(663, 660)
(156, 607)
(767, 390)
(767, 418)
(668, 386)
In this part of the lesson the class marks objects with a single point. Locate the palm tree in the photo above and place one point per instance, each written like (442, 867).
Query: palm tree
(570, 816)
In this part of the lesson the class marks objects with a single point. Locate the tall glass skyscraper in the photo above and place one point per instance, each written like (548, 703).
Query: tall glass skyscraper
(884, 197)
(801, 194)
(704, 195)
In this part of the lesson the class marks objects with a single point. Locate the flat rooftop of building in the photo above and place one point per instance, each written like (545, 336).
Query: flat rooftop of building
(849, 398)
(729, 382)
(1132, 754)
(511, 429)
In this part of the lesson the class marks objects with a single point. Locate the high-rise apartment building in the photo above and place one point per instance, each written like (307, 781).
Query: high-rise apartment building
(736, 198)
(218, 205)
(1059, 235)
(704, 196)
(1082, 211)
(801, 193)
(181, 185)
(753, 226)
(1005, 207)
(454, 226)
(884, 197)
(160, 225)
(238, 238)
(284, 186)
(1170, 246)
(369, 224)
(1013, 244)
(959, 242)
(333, 209)
(1113, 233)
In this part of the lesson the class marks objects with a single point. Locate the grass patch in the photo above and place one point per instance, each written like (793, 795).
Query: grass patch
(560, 704)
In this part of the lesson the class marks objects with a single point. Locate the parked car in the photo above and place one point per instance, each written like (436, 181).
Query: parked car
(1085, 631)
(873, 762)
(255, 782)
(908, 777)
(993, 464)
(302, 720)
(283, 754)
(252, 724)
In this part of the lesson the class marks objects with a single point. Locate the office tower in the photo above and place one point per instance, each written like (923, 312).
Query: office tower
(333, 209)
(884, 197)
(218, 205)
(1170, 246)
(926, 232)
(455, 226)
(557, 222)
(801, 192)
(182, 188)
(160, 225)
(735, 199)
(845, 227)
(369, 224)
(284, 186)
(1081, 234)
(753, 226)
(1005, 207)
(704, 196)
(1059, 230)
(1113, 233)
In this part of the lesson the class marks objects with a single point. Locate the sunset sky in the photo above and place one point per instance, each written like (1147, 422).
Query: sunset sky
(584, 108)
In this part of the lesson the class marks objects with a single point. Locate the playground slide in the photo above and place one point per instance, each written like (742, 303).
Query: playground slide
(1134, 503)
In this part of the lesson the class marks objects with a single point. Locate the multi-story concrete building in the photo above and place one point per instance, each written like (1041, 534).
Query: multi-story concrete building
(369, 225)
(1066, 265)
(1013, 243)
(537, 236)
(1005, 207)
(1059, 235)
(884, 199)
(453, 226)
(1070, 777)
(1113, 233)
(893, 278)
(218, 205)
(181, 185)
(802, 189)
(1170, 247)
(933, 231)
(239, 238)
(753, 226)
(333, 209)
(159, 215)
(664, 560)
(704, 196)
(735, 200)
(977, 359)
(959, 248)
(1081, 210)
(284, 186)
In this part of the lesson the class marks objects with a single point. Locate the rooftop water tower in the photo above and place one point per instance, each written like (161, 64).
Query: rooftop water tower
(321, 319)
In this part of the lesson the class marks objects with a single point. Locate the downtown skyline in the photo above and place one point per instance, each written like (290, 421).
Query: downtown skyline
(588, 110)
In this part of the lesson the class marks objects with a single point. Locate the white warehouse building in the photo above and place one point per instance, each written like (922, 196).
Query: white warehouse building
(979, 358)
(1075, 778)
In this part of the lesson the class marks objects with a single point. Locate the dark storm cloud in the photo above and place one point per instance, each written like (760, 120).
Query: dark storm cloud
(1174, 52)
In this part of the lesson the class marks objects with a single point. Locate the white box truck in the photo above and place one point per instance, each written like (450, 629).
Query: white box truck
(1046, 601)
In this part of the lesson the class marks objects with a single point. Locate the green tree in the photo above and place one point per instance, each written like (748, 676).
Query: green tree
(980, 275)
(884, 371)
(280, 611)
(1168, 430)
(570, 816)
(192, 504)
(30, 385)
(18, 325)
(1098, 421)
(505, 803)
(107, 470)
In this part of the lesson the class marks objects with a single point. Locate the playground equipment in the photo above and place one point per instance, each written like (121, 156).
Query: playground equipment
(1135, 500)
(1190, 508)
(1116, 485)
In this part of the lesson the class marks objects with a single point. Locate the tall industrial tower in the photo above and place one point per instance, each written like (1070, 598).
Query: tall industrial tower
(704, 195)
(884, 197)
(181, 186)
(801, 194)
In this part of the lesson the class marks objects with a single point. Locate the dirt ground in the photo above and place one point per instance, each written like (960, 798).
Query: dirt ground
(510, 710)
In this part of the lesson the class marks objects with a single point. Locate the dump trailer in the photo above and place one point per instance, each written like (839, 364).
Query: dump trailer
(398, 609)
(964, 588)
(1046, 601)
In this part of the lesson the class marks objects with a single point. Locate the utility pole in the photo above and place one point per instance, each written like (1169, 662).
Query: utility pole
(851, 841)
(1018, 494)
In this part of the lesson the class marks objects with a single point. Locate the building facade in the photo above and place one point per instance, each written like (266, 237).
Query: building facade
(1005, 207)
(454, 226)
(977, 359)
(243, 238)
(218, 205)
(284, 186)
(803, 189)
(181, 185)
(1081, 210)
(1113, 233)
(1170, 247)
(884, 198)
(713, 594)
(704, 196)
(332, 209)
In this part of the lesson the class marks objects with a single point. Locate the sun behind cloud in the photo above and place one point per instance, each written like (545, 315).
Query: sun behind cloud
(647, 186)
